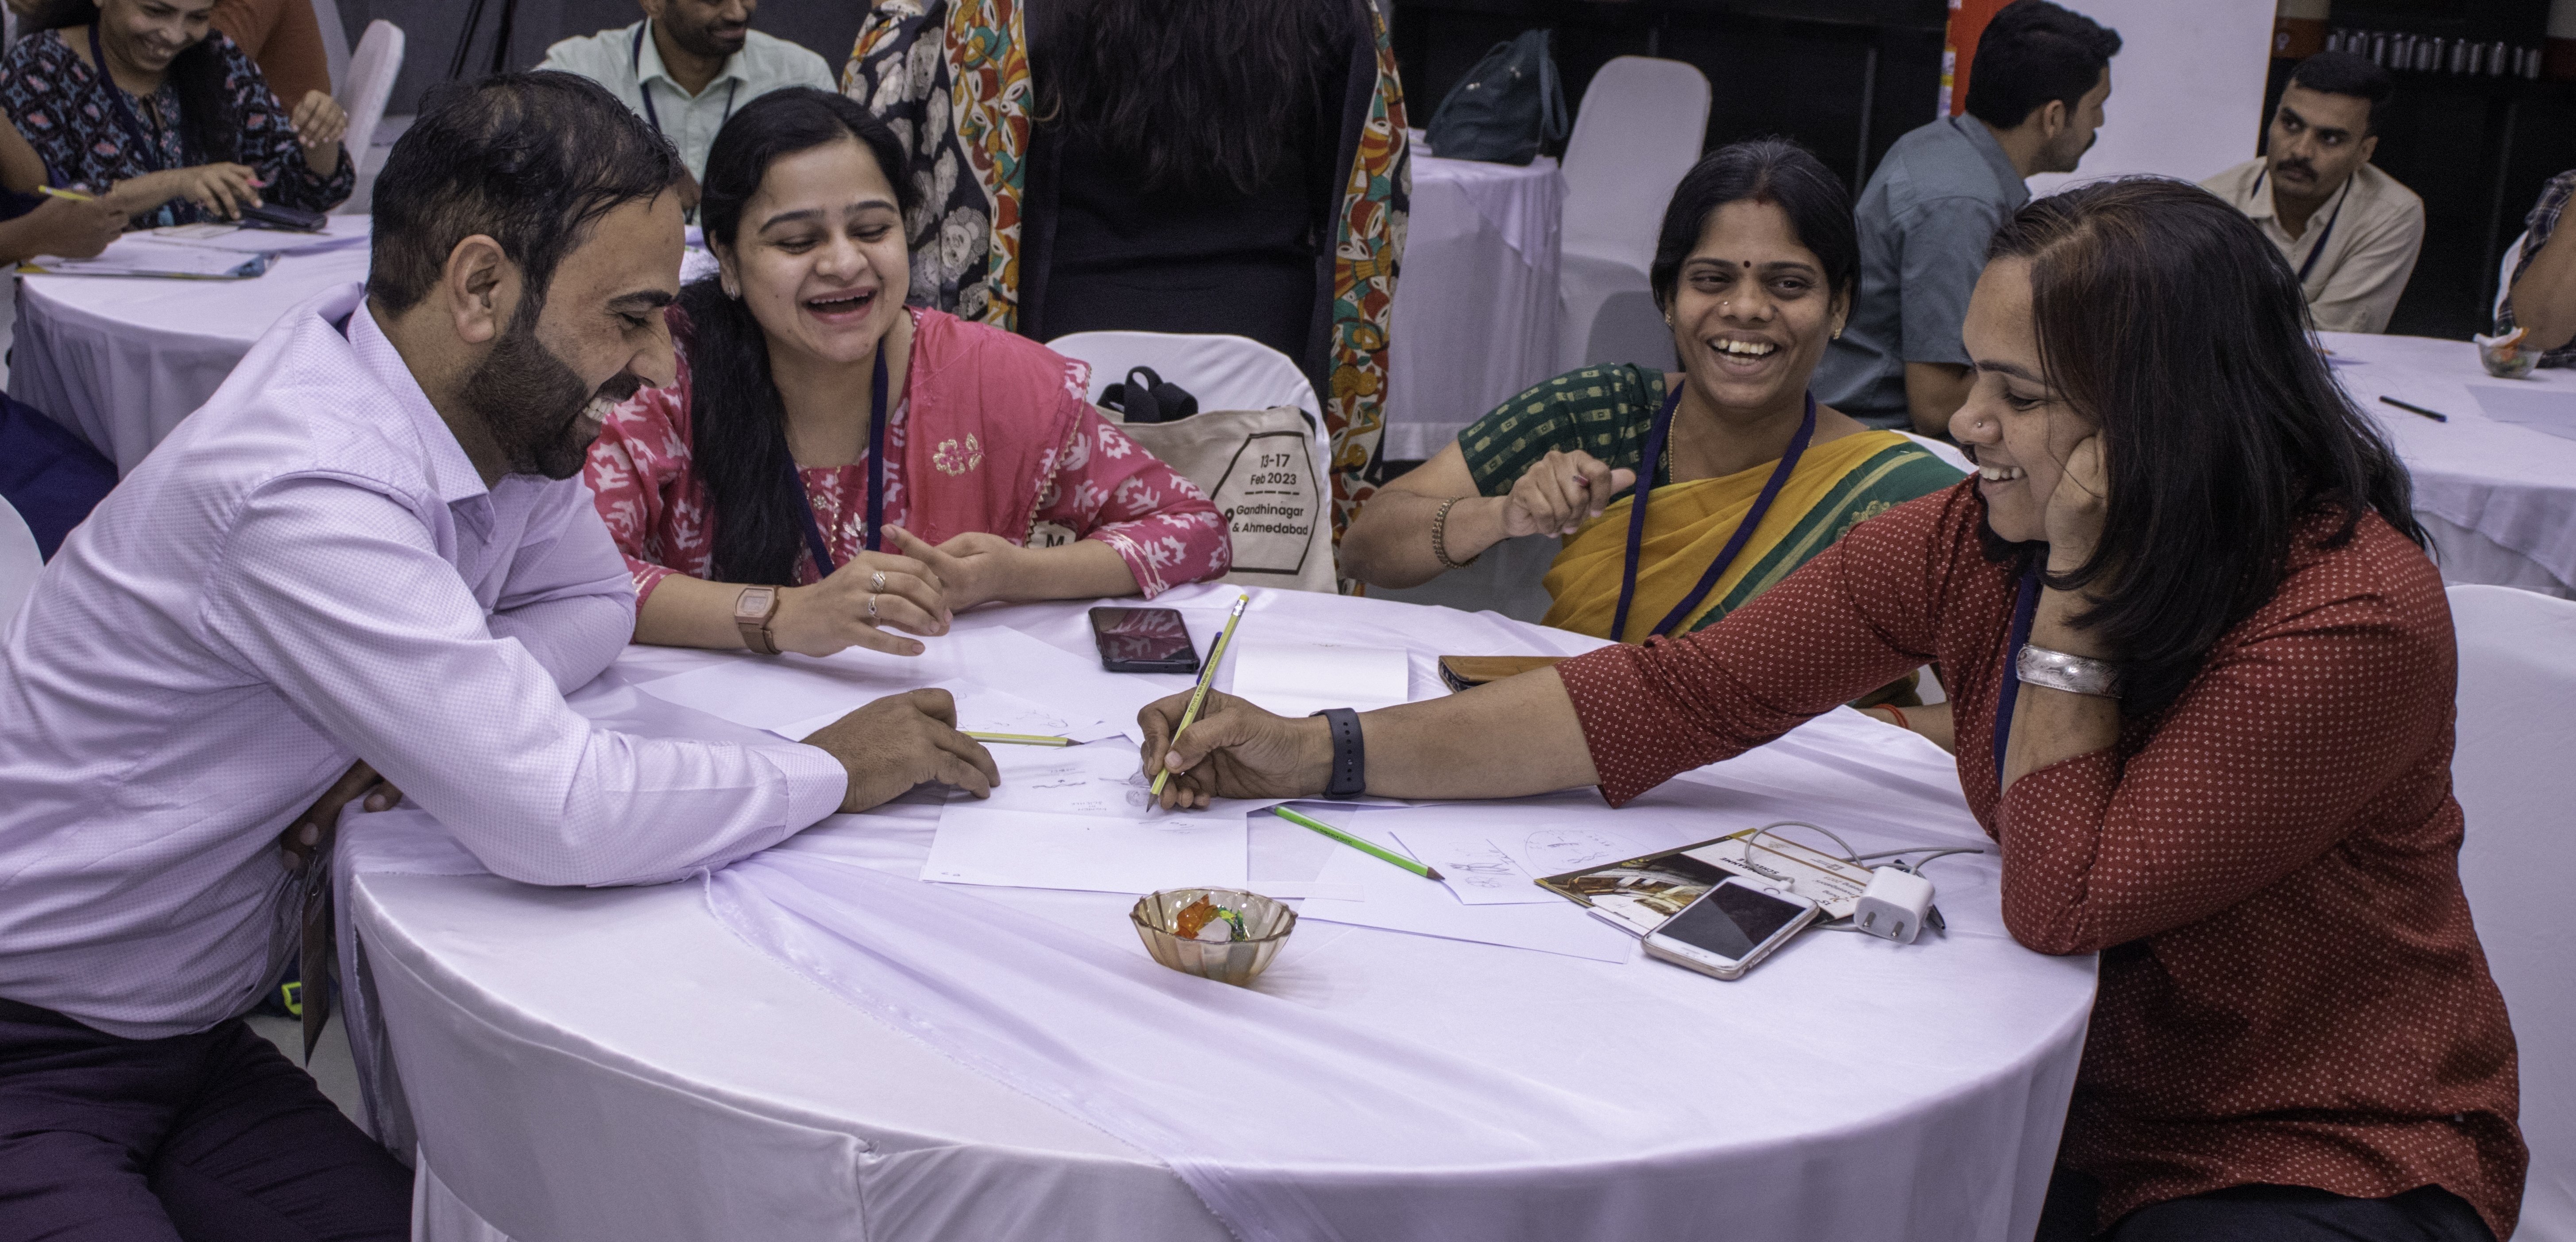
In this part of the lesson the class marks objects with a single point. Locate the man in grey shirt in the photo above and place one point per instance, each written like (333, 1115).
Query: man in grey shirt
(2035, 95)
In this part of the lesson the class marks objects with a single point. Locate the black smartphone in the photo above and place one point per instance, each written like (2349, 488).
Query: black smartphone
(283, 218)
(1143, 640)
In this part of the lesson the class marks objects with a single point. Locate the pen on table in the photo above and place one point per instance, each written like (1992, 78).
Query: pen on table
(1017, 739)
(1428, 873)
(1207, 677)
(2417, 409)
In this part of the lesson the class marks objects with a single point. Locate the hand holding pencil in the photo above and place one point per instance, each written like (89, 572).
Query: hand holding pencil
(1232, 750)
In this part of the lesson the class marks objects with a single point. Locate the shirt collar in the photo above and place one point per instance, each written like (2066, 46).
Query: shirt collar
(2008, 178)
(2258, 204)
(450, 470)
(648, 65)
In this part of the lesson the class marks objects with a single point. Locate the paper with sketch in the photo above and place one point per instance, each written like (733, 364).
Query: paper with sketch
(1477, 871)
(1290, 678)
(783, 693)
(1398, 900)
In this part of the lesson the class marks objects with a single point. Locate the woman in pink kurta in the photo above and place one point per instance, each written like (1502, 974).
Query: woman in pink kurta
(935, 464)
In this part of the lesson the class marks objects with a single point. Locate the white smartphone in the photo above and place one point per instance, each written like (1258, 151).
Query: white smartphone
(1731, 927)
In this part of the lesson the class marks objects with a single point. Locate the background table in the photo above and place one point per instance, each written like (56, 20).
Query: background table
(122, 359)
(1475, 305)
(2499, 499)
(580, 1064)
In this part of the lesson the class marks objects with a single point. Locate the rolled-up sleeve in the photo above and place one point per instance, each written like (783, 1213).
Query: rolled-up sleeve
(395, 660)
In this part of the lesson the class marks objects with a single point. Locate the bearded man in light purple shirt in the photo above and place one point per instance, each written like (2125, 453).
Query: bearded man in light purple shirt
(369, 553)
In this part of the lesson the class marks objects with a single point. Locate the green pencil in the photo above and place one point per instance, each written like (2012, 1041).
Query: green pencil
(1207, 677)
(1428, 873)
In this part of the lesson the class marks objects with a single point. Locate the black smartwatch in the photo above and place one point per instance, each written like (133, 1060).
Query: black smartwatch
(1349, 778)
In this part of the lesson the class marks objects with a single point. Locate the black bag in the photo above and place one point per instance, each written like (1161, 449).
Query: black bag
(1149, 400)
(1506, 107)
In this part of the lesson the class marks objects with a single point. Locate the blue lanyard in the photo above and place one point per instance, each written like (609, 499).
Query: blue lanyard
(1734, 545)
(2323, 236)
(814, 541)
(148, 146)
(644, 89)
(2025, 607)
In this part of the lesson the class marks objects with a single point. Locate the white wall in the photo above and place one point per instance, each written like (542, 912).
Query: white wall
(2186, 88)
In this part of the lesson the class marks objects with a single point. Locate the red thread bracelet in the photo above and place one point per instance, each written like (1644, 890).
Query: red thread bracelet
(1900, 716)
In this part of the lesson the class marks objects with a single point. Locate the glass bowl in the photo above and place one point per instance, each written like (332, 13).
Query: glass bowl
(2507, 359)
(1265, 922)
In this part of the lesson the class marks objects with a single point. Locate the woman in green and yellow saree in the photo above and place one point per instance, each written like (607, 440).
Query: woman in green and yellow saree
(1746, 477)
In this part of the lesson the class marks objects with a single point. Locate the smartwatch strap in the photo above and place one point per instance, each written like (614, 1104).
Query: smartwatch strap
(1350, 757)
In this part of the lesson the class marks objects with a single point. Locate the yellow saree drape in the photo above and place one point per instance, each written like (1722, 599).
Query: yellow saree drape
(1688, 524)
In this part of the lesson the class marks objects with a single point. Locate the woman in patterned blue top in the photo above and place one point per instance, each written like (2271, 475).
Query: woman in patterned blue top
(142, 101)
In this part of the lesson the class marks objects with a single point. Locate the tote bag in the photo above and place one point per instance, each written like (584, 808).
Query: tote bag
(1258, 467)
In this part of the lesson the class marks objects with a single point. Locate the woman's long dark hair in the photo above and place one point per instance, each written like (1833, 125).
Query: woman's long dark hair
(738, 425)
(1197, 95)
(2165, 319)
(209, 128)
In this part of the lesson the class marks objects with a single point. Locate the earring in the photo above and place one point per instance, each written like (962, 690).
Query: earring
(730, 290)
(1838, 334)
(1668, 319)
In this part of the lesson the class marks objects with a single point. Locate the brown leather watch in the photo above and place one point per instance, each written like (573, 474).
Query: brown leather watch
(753, 610)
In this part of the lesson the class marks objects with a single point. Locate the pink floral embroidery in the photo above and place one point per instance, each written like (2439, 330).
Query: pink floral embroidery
(953, 458)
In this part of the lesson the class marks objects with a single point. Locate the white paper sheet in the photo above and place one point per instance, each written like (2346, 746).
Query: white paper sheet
(2545, 410)
(139, 255)
(1476, 870)
(1399, 900)
(337, 233)
(1099, 853)
(1291, 678)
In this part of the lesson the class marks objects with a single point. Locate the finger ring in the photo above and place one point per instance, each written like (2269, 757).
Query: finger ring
(876, 581)
(872, 607)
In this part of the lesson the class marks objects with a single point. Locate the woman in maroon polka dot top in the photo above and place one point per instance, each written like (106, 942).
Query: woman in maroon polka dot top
(2203, 676)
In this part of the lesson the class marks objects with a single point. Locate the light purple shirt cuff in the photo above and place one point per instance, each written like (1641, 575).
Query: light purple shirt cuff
(816, 782)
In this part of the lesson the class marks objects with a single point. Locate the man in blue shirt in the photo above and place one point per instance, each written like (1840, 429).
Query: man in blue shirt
(2035, 96)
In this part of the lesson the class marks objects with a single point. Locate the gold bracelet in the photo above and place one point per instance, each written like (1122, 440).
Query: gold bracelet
(1440, 536)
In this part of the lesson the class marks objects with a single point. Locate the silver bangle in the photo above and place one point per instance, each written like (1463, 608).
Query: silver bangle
(1440, 536)
(2073, 674)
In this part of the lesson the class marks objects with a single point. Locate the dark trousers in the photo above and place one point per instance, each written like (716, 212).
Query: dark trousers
(2264, 1214)
(211, 1137)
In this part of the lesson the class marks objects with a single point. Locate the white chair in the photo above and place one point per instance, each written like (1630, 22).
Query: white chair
(335, 45)
(2511, 774)
(370, 83)
(20, 562)
(1223, 371)
(2504, 276)
(1638, 131)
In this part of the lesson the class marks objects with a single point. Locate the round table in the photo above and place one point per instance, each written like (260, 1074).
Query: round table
(122, 359)
(2496, 483)
(1476, 307)
(611, 1063)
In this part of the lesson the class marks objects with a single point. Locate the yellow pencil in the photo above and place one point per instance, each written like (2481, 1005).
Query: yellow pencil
(1207, 677)
(1017, 739)
(74, 195)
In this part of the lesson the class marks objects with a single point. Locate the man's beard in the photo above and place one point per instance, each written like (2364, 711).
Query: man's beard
(533, 404)
(703, 40)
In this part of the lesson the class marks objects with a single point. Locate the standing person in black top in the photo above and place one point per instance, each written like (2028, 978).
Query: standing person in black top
(1182, 173)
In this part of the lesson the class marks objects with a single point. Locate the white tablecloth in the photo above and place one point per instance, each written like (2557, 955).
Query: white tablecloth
(2499, 498)
(121, 359)
(1475, 305)
(580, 1064)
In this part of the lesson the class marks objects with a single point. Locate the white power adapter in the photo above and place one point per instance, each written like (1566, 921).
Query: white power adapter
(1894, 905)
